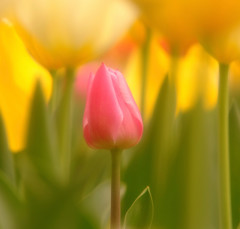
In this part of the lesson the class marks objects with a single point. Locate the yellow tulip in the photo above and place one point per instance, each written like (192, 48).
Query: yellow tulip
(184, 21)
(220, 29)
(214, 16)
(18, 76)
(62, 33)
(225, 47)
(169, 17)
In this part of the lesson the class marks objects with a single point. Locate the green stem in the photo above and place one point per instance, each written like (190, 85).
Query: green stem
(225, 195)
(115, 190)
(174, 65)
(145, 54)
(65, 125)
(55, 92)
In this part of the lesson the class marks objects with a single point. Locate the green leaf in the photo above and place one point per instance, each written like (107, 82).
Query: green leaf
(183, 177)
(238, 227)
(6, 158)
(140, 214)
(41, 145)
(11, 208)
(154, 153)
(196, 172)
(89, 170)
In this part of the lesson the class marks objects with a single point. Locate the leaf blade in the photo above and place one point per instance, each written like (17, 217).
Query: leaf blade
(135, 216)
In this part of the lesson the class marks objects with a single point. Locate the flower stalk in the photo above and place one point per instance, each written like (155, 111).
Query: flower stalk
(145, 57)
(65, 125)
(115, 189)
(224, 167)
(111, 121)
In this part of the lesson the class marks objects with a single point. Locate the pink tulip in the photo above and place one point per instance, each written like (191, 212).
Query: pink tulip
(112, 119)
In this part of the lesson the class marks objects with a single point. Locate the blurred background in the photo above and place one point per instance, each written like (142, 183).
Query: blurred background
(169, 51)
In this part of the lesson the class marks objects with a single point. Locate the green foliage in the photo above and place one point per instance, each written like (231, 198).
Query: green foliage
(234, 135)
(140, 214)
(176, 160)
(11, 207)
(6, 159)
(41, 144)
(197, 169)
(11, 216)
(43, 197)
(149, 164)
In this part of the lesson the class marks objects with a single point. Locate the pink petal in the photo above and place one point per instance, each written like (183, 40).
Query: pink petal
(132, 126)
(104, 115)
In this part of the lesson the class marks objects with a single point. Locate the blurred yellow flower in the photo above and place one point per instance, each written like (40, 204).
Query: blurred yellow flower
(18, 76)
(185, 21)
(62, 33)
(214, 16)
(225, 46)
(169, 17)
(197, 77)
(157, 68)
(197, 72)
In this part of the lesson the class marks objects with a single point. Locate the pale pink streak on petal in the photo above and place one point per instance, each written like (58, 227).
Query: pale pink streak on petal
(127, 95)
(132, 126)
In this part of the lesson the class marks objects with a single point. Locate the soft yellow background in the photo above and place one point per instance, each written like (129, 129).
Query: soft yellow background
(18, 76)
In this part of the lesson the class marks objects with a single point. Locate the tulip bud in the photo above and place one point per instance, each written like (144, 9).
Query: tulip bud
(112, 119)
